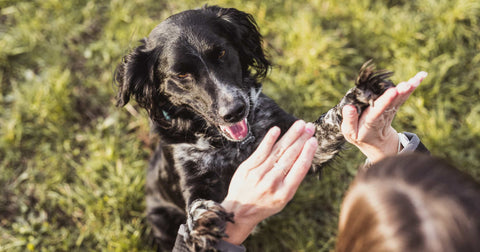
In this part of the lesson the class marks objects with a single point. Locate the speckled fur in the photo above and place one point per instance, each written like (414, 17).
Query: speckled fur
(193, 159)
(206, 223)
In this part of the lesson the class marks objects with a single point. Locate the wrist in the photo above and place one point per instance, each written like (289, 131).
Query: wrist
(240, 229)
(238, 232)
(385, 147)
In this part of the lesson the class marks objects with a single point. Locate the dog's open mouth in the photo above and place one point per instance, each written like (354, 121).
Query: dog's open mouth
(237, 131)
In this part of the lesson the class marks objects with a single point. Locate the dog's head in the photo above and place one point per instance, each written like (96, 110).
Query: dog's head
(206, 61)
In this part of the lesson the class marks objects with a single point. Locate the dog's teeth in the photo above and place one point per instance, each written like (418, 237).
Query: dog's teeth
(237, 131)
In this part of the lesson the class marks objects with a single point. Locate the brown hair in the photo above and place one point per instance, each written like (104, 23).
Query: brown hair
(410, 203)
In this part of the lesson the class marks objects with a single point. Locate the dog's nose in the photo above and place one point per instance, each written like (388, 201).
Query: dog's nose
(233, 113)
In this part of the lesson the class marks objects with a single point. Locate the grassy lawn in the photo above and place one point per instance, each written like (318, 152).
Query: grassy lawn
(72, 165)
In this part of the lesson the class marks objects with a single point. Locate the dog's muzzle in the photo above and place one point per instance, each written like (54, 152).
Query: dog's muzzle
(236, 132)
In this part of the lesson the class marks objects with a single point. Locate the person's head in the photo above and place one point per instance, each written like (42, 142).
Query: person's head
(410, 203)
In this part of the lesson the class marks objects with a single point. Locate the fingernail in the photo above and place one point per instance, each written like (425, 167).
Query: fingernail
(312, 142)
(274, 131)
(419, 78)
(422, 74)
(310, 128)
(299, 125)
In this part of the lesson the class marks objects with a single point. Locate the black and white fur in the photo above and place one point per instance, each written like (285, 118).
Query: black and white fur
(197, 74)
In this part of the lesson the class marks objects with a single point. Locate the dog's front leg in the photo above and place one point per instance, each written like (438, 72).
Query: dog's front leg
(369, 85)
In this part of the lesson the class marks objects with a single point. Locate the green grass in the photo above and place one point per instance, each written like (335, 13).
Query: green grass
(72, 165)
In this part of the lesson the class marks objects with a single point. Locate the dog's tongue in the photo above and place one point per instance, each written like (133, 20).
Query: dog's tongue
(237, 131)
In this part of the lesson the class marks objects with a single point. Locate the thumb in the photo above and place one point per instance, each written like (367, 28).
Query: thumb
(350, 122)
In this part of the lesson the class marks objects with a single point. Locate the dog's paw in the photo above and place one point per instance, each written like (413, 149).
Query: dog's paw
(370, 84)
(206, 225)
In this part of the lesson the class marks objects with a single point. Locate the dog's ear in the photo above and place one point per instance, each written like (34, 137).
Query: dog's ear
(243, 32)
(135, 76)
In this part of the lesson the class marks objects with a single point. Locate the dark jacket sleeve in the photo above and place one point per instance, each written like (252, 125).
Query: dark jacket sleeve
(222, 245)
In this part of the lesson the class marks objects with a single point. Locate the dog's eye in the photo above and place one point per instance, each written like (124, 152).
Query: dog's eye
(183, 75)
(221, 54)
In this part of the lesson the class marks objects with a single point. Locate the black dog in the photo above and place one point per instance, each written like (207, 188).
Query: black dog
(198, 76)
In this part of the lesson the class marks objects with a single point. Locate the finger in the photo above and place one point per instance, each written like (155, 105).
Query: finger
(295, 131)
(405, 89)
(300, 167)
(384, 102)
(410, 85)
(285, 162)
(349, 124)
(264, 149)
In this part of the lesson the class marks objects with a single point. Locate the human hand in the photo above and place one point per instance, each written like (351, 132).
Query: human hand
(265, 182)
(372, 132)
